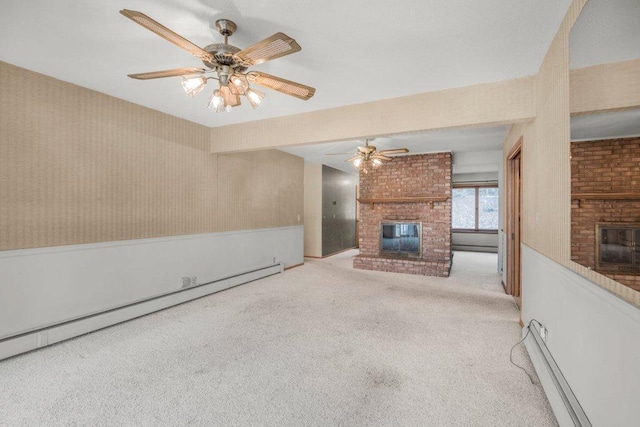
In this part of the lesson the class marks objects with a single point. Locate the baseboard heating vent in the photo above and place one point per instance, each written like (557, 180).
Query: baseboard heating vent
(190, 290)
(575, 411)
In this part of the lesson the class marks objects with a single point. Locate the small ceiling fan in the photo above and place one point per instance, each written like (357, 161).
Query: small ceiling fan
(226, 63)
(368, 154)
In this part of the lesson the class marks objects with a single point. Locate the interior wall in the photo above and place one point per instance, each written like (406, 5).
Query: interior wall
(313, 210)
(259, 189)
(79, 167)
(589, 334)
(124, 202)
(338, 210)
(546, 219)
(474, 242)
(43, 287)
(594, 337)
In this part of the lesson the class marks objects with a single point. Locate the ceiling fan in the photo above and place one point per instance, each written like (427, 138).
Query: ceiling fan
(226, 63)
(366, 155)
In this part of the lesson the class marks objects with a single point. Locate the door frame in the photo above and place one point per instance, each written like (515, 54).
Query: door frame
(357, 242)
(514, 222)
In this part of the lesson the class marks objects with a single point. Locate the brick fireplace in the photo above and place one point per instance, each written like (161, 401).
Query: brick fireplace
(401, 201)
(605, 184)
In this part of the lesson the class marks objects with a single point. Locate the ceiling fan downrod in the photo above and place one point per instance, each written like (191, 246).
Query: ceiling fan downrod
(226, 27)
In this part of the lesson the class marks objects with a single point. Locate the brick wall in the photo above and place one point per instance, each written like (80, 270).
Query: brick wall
(408, 176)
(610, 166)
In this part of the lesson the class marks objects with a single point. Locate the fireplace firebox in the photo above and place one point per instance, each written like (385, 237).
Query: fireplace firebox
(401, 239)
(618, 247)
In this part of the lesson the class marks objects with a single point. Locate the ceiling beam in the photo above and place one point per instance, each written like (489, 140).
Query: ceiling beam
(488, 104)
(605, 87)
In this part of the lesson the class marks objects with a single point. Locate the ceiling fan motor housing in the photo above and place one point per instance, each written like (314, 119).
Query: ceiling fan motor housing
(367, 149)
(226, 27)
(223, 56)
(223, 52)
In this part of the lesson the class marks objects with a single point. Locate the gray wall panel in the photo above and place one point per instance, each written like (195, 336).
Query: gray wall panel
(338, 210)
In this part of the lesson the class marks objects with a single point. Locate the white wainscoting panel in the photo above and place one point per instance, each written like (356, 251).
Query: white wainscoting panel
(594, 337)
(44, 287)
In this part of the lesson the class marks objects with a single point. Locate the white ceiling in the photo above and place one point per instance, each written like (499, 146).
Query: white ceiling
(606, 31)
(618, 124)
(467, 145)
(352, 51)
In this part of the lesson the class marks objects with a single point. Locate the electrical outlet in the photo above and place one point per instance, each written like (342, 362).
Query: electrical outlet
(186, 282)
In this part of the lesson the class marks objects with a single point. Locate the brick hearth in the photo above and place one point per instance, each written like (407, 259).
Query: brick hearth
(408, 176)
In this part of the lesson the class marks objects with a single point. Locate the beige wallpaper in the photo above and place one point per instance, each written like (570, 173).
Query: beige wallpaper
(546, 185)
(260, 189)
(491, 103)
(605, 87)
(545, 153)
(78, 166)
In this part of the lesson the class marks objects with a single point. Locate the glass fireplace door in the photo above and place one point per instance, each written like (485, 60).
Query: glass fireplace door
(401, 239)
(618, 246)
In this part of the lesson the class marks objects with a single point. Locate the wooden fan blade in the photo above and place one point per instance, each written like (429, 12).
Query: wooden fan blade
(270, 48)
(167, 34)
(394, 151)
(281, 85)
(381, 157)
(167, 73)
(351, 159)
(337, 154)
(229, 97)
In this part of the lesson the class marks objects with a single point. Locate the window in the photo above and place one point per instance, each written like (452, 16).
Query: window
(475, 208)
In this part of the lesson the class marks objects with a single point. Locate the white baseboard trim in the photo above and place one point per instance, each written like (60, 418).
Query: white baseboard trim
(56, 333)
(565, 406)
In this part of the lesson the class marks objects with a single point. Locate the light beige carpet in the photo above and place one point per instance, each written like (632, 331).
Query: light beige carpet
(322, 344)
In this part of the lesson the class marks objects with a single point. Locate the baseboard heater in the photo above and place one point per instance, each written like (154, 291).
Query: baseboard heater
(574, 410)
(51, 334)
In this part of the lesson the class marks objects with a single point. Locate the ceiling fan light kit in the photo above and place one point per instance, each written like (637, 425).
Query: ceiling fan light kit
(216, 103)
(367, 156)
(227, 64)
(193, 85)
